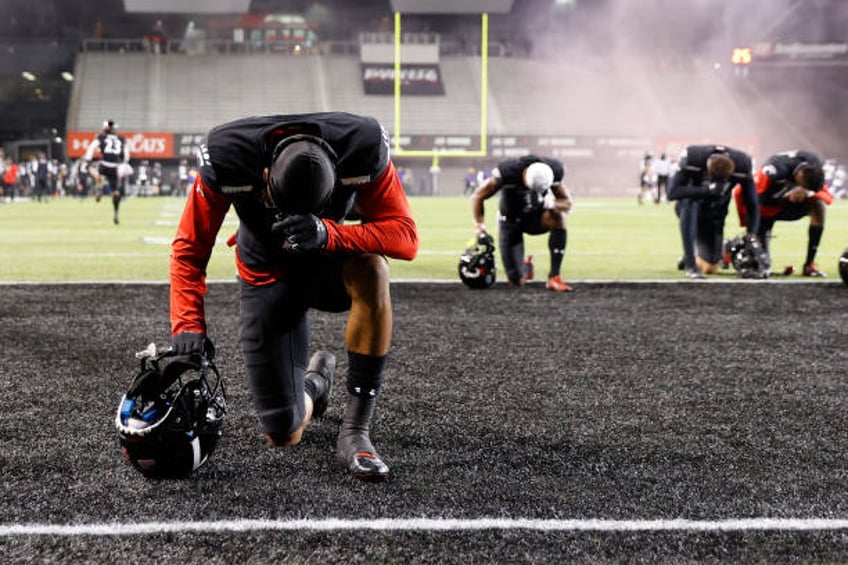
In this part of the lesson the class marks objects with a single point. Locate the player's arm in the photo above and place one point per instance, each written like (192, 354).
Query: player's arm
(681, 186)
(190, 252)
(482, 193)
(676, 187)
(92, 148)
(752, 204)
(387, 225)
(767, 189)
(562, 198)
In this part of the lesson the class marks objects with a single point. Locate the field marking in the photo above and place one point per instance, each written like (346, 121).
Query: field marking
(428, 525)
(729, 280)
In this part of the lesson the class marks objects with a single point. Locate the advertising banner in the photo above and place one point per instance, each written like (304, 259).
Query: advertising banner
(141, 145)
(415, 79)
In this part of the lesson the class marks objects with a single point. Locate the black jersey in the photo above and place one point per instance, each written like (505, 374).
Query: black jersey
(112, 147)
(516, 198)
(234, 155)
(693, 163)
(690, 181)
(780, 170)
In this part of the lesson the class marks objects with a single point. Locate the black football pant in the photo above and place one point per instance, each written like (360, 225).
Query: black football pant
(701, 229)
(511, 240)
(275, 335)
(792, 212)
(111, 175)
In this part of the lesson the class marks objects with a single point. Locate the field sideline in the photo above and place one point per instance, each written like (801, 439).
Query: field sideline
(623, 423)
(608, 239)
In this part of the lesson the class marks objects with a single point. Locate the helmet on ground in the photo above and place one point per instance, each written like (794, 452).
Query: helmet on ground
(843, 266)
(749, 257)
(477, 263)
(170, 419)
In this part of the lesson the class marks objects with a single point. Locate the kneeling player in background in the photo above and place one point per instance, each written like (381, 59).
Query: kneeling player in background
(790, 186)
(533, 201)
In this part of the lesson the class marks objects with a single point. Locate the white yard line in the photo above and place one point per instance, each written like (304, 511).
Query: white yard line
(428, 524)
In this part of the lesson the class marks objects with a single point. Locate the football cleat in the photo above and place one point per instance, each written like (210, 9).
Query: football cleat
(556, 283)
(320, 371)
(695, 273)
(354, 449)
(810, 270)
(367, 466)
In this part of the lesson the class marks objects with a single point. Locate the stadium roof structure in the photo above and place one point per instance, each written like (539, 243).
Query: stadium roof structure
(187, 6)
(452, 6)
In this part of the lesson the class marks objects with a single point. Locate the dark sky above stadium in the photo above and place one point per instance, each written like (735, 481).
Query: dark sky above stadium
(634, 24)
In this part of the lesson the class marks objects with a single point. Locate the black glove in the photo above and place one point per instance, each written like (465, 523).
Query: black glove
(187, 343)
(301, 232)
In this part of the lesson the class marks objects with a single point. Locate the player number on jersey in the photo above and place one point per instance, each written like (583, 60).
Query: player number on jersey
(202, 155)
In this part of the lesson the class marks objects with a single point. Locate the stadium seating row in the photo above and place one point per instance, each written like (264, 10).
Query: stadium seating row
(192, 93)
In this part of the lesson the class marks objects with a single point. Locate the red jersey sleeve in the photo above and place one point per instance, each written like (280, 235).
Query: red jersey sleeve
(387, 227)
(191, 249)
(825, 195)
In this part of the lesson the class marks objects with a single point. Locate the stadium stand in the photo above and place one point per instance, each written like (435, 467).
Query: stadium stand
(184, 93)
(191, 93)
(625, 91)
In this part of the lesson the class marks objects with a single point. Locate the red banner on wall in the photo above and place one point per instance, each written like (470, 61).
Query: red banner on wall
(141, 145)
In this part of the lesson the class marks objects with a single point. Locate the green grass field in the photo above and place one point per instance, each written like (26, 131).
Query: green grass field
(608, 239)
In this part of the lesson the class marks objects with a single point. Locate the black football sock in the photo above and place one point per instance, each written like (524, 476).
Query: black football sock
(815, 235)
(364, 374)
(556, 244)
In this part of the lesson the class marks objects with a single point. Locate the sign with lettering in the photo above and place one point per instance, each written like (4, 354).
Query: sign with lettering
(141, 145)
(414, 79)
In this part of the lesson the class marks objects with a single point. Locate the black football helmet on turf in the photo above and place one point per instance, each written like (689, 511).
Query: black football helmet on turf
(170, 419)
(477, 263)
(843, 266)
(749, 257)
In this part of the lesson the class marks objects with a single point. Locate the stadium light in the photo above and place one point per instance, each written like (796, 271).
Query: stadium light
(741, 56)
(28, 76)
(69, 77)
